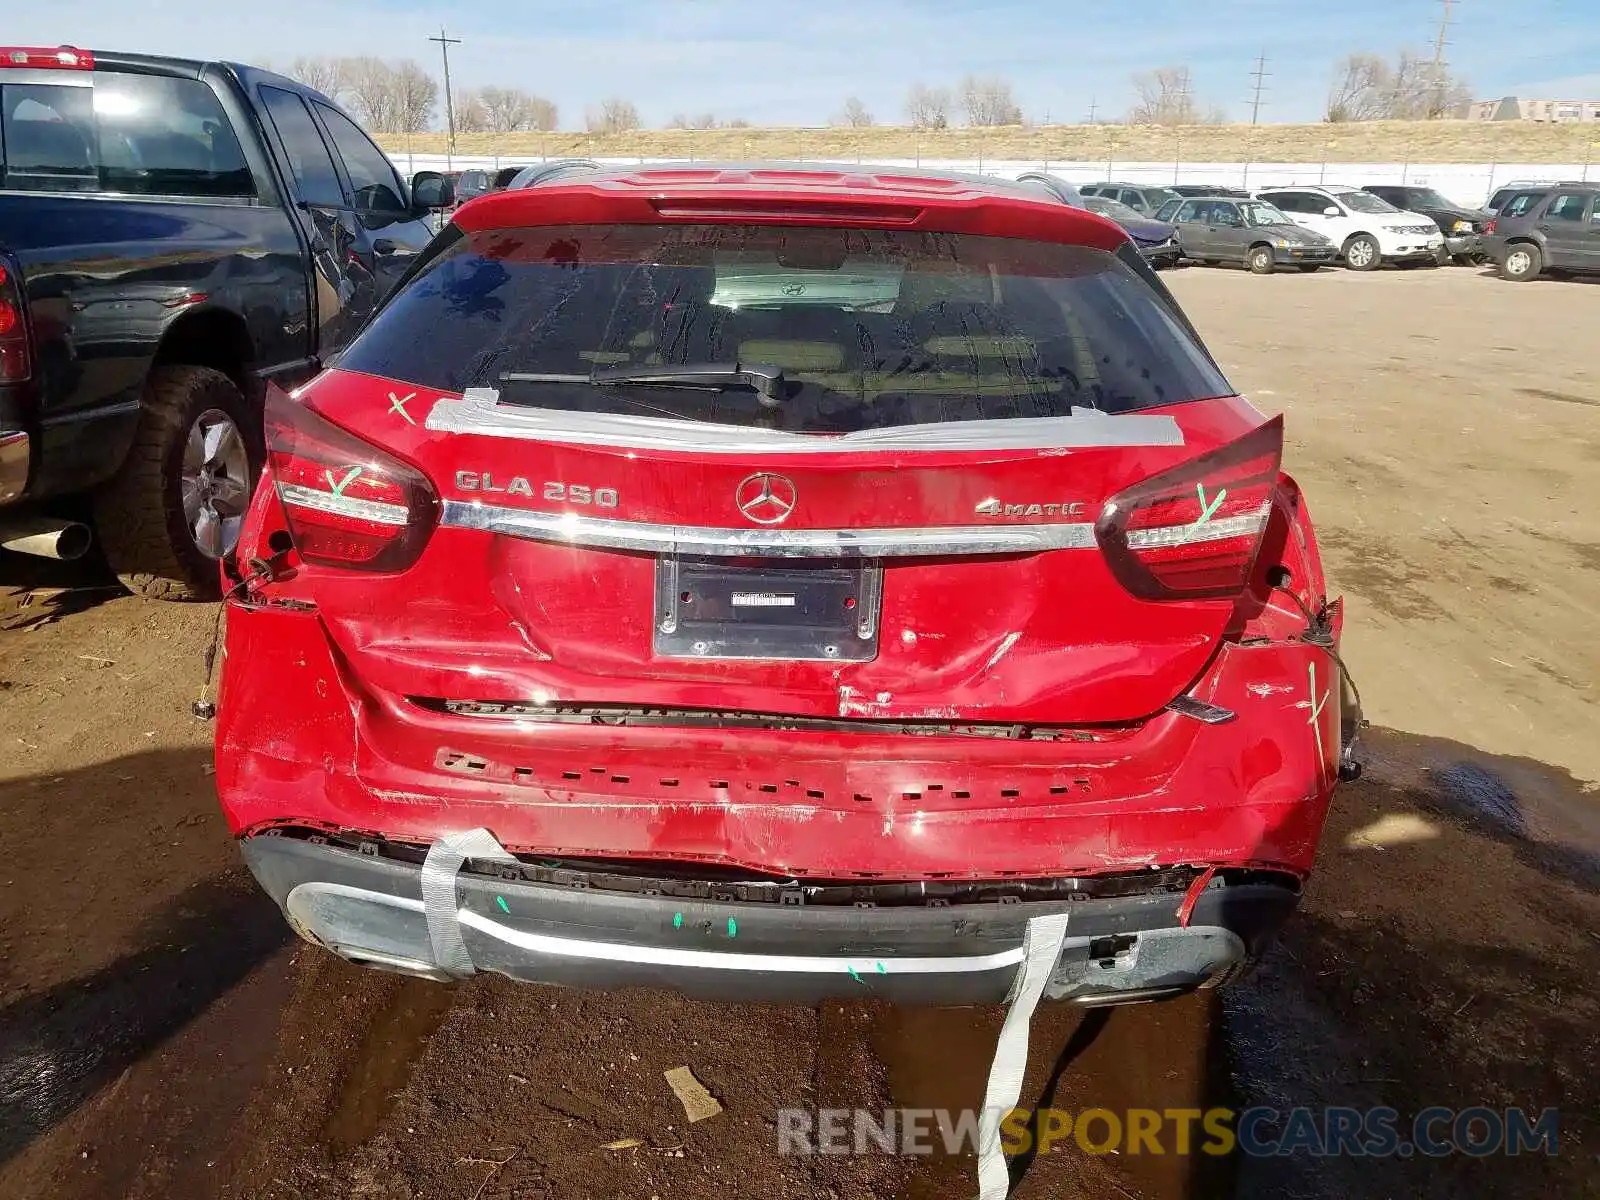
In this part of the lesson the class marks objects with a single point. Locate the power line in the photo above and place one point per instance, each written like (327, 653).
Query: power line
(1260, 74)
(449, 102)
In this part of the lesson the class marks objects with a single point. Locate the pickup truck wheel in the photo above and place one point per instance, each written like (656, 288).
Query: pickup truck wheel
(175, 508)
(1361, 253)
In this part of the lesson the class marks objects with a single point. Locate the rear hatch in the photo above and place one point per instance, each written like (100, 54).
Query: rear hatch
(802, 471)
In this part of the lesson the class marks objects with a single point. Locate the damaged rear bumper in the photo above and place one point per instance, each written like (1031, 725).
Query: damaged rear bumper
(366, 904)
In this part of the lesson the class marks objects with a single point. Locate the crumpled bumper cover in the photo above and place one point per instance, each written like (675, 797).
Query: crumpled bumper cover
(368, 908)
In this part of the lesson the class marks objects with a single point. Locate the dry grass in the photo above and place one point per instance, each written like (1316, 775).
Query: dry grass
(1370, 142)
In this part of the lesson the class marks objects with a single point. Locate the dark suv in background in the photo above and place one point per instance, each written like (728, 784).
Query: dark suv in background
(1546, 230)
(1144, 199)
(1462, 226)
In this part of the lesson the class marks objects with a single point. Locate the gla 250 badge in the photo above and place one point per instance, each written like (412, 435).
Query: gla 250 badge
(518, 485)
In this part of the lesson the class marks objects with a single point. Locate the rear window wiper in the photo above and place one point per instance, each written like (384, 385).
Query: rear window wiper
(765, 380)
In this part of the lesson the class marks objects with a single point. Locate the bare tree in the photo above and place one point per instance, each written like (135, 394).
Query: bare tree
(855, 114)
(989, 101)
(325, 75)
(1363, 89)
(1166, 98)
(510, 110)
(928, 108)
(471, 116)
(414, 94)
(737, 123)
(370, 82)
(1368, 87)
(613, 116)
(543, 114)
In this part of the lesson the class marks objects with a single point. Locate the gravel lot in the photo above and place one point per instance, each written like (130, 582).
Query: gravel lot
(162, 1035)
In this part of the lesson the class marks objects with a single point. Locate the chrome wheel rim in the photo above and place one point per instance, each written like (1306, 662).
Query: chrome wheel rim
(1518, 262)
(1260, 259)
(1360, 254)
(215, 483)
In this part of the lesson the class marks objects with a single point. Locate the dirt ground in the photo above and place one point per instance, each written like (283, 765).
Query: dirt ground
(1354, 142)
(161, 1034)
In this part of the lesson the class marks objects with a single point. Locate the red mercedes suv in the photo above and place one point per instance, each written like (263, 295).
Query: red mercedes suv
(780, 582)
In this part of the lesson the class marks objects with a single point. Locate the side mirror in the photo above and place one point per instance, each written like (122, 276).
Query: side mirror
(431, 192)
(1332, 211)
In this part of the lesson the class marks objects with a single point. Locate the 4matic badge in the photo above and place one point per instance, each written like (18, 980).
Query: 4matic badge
(997, 508)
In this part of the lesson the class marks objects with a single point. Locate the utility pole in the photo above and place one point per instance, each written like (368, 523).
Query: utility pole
(1438, 57)
(449, 101)
(1260, 74)
(1091, 110)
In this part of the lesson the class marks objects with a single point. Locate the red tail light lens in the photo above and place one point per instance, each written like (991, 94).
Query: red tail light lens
(58, 57)
(347, 503)
(16, 358)
(1192, 533)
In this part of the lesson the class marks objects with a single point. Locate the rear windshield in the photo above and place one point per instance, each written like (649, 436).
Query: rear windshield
(143, 135)
(869, 328)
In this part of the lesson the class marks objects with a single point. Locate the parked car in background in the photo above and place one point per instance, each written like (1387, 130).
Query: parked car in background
(1462, 227)
(1547, 231)
(1157, 240)
(544, 172)
(1368, 231)
(472, 183)
(1186, 190)
(174, 237)
(1144, 199)
(1053, 185)
(609, 668)
(1251, 232)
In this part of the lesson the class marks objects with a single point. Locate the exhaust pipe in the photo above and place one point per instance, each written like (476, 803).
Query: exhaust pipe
(46, 537)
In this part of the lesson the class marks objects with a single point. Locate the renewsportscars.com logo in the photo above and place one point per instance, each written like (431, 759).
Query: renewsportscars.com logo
(1331, 1131)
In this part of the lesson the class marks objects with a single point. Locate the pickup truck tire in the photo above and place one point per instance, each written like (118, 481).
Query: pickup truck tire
(195, 459)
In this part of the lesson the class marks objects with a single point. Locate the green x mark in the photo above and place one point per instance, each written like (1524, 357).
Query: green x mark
(1207, 509)
(339, 487)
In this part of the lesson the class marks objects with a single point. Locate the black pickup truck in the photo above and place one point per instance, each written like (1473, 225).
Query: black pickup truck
(174, 235)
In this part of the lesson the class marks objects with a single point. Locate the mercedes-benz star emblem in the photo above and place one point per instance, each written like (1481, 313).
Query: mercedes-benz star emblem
(766, 499)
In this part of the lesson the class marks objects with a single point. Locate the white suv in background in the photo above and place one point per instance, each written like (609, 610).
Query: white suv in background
(1368, 231)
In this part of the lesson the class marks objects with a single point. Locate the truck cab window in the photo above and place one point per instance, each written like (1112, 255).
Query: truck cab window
(376, 187)
(142, 135)
(309, 161)
(48, 137)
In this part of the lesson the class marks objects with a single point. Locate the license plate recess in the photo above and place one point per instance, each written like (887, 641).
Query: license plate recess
(775, 609)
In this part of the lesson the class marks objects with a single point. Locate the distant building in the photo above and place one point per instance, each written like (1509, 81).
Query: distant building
(1509, 108)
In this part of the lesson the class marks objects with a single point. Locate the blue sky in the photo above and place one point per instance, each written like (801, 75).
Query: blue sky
(793, 62)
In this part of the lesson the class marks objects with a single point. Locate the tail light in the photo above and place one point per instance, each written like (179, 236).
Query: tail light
(347, 503)
(1192, 533)
(16, 359)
